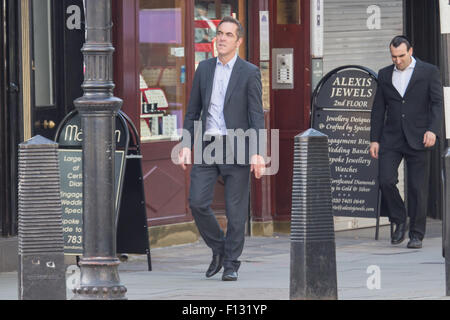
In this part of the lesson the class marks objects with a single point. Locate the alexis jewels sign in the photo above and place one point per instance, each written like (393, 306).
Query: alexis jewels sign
(342, 103)
(349, 89)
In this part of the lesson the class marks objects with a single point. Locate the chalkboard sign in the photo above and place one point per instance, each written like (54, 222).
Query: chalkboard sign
(131, 220)
(342, 103)
(70, 137)
(70, 164)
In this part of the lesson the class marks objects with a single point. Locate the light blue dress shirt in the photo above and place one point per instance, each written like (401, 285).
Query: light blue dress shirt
(215, 122)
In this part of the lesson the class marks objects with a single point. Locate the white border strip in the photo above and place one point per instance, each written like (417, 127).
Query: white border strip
(444, 8)
(447, 110)
(317, 25)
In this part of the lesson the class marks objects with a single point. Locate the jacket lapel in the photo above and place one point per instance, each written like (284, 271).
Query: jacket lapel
(414, 76)
(389, 80)
(210, 81)
(235, 75)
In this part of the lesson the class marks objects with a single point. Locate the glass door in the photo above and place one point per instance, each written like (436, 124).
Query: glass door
(207, 15)
(43, 65)
(56, 38)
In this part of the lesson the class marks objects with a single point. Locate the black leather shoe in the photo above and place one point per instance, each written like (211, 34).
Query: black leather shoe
(229, 275)
(414, 243)
(399, 233)
(215, 266)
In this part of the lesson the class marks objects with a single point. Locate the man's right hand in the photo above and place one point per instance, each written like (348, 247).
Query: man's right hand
(184, 157)
(374, 149)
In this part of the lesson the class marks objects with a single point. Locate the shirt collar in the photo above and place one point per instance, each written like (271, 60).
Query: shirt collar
(412, 65)
(230, 63)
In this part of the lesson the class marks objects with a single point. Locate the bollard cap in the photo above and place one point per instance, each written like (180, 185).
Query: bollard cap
(310, 133)
(38, 142)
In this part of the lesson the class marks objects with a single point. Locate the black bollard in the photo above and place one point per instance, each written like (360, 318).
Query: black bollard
(41, 241)
(313, 251)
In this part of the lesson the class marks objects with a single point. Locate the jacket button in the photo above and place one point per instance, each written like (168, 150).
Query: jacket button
(403, 101)
(403, 115)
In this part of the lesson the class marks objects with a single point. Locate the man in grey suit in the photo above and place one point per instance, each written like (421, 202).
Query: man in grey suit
(226, 98)
(406, 120)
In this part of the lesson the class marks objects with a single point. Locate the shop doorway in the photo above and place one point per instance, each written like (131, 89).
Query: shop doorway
(56, 70)
(207, 16)
(422, 27)
(290, 21)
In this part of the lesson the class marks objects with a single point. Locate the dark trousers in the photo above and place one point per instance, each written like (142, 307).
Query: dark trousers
(236, 179)
(417, 168)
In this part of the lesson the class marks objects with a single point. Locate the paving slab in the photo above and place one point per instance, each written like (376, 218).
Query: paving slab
(367, 270)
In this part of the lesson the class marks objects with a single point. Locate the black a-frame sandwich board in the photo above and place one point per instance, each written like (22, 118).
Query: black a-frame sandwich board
(131, 219)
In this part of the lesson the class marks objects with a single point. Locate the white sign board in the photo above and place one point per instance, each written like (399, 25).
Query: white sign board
(447, 110)
(264, 45)
(156, 97)
(444, 7)
(317, 21)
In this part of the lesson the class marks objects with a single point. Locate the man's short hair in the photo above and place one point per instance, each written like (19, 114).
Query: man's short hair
(398, 40)
(240, 28)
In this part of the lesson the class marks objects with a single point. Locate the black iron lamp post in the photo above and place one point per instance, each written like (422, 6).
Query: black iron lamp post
(98, 108)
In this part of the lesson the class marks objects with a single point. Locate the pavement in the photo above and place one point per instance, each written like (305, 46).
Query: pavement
(366, 270)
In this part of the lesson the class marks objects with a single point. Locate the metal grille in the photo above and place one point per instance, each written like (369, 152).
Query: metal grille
(312, 216)
(40, 213)
(348, 39)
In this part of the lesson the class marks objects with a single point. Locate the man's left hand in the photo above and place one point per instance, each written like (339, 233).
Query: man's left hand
(258, 165)
(429, 139)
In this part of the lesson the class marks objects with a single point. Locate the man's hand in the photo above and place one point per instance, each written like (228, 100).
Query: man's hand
(374, 149)
(184, 157)
(258, 165)
(429, 139)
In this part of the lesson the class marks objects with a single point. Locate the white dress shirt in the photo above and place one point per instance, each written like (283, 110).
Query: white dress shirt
(400, 79)
(215, 122)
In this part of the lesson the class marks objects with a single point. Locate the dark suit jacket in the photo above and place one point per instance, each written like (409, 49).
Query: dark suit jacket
(242, 105)
(420, 109)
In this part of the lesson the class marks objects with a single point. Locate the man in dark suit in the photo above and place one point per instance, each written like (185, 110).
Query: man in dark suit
(226, 98)
(405, 122)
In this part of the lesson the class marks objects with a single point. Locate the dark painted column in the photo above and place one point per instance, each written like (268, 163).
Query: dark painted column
(445, 30)
(98, 108)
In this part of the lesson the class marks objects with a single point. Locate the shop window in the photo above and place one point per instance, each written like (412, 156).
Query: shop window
(208, 14)
(162, 68)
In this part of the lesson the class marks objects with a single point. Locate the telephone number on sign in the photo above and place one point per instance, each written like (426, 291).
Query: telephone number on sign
(74, 239)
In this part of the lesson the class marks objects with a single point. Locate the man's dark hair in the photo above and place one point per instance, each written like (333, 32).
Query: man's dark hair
(398, 40)
(240, 28)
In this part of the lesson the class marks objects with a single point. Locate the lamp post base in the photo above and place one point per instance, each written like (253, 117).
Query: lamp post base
(100, 280)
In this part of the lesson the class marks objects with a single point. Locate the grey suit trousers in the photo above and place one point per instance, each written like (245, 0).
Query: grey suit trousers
(236, 179)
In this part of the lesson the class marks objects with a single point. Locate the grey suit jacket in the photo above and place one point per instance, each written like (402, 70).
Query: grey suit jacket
(242, 105)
